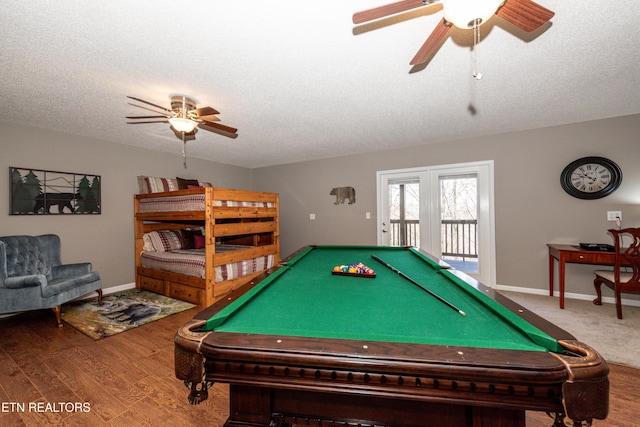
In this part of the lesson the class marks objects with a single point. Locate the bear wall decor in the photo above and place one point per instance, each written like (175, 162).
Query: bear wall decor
(342, 194)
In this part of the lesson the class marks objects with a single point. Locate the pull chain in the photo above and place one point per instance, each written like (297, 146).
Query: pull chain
(476, 40)
(184, 151)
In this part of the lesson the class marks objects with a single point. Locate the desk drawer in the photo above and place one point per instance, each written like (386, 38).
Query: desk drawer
(590, 257)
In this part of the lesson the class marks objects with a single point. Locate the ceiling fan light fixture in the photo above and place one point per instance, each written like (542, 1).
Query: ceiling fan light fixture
(469, 13)
(182, 124)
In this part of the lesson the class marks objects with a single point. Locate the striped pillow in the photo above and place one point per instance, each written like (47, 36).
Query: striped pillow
(151, 184)
(166, 240)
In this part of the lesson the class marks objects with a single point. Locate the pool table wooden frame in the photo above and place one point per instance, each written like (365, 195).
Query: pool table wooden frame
(278, 380)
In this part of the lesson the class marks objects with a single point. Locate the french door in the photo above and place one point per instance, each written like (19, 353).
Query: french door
(446, 210)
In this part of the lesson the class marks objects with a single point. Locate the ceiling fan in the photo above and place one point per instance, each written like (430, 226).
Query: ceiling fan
(466, 14)
(184, 118)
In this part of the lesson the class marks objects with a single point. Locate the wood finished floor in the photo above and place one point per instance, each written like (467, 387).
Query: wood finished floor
(128, 380)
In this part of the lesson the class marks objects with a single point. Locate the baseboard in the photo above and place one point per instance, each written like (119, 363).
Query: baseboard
(108, 291)
(567, 295)
(119, 288)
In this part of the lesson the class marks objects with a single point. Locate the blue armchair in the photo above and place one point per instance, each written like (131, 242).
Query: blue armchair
(32, 276)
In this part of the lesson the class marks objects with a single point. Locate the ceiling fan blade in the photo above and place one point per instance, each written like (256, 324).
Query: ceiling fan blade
(149, 109)
(205, 111)
(220, 127)
(432, 44)
(209, 118)
(148, 121)
(149, 103)
(389, 9)
(525, 14)
(146, 117)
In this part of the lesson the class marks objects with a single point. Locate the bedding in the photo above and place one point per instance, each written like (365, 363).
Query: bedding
(154, 184)
(190, 202)
(192, 262)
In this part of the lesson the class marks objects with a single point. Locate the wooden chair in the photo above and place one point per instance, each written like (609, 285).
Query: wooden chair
(622, 278)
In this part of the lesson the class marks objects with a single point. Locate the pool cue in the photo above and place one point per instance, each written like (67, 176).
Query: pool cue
(395, 270)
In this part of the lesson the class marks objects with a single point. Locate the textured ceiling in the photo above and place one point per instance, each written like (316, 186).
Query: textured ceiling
(300, 81)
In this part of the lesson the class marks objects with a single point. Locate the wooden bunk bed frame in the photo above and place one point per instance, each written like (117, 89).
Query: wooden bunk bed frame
(256, 227)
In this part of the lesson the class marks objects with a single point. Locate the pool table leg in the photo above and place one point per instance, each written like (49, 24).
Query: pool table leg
(189, 363)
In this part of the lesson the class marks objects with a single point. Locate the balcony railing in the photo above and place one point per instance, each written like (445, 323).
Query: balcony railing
(405, 233)
(459, 236)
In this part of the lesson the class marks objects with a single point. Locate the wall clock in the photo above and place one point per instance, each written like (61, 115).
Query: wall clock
(591, 178)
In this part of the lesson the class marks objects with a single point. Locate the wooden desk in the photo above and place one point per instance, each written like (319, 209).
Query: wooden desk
(570, 253)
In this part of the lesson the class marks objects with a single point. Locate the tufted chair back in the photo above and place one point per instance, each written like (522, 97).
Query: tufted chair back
(25, 256)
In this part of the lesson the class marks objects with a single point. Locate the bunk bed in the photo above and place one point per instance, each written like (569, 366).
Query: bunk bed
(199, 244)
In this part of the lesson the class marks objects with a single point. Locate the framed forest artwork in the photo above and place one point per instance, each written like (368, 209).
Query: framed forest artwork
(42, 192)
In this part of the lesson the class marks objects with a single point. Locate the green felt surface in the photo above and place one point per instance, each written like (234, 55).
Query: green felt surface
(305, 299)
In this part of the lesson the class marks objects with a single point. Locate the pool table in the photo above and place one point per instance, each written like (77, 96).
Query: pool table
(302, 346)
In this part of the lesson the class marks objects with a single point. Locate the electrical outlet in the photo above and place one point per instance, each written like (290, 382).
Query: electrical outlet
(614, 215)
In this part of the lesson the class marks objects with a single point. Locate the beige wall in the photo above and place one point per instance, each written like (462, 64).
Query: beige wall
(106, 239)
(530, 206)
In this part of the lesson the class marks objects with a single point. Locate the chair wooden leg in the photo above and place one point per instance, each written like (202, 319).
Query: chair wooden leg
(597, 283)
(56, 310)
(618, 303)
(99, 291)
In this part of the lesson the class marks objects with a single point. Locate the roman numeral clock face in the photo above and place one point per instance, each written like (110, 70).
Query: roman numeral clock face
(591, 178)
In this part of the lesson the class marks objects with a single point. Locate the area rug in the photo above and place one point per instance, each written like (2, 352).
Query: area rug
(121, 311)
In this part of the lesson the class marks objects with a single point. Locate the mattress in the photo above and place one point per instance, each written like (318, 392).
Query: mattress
(192, 262)
(190, 202)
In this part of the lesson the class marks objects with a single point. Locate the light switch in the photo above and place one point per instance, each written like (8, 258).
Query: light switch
(312, 217)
